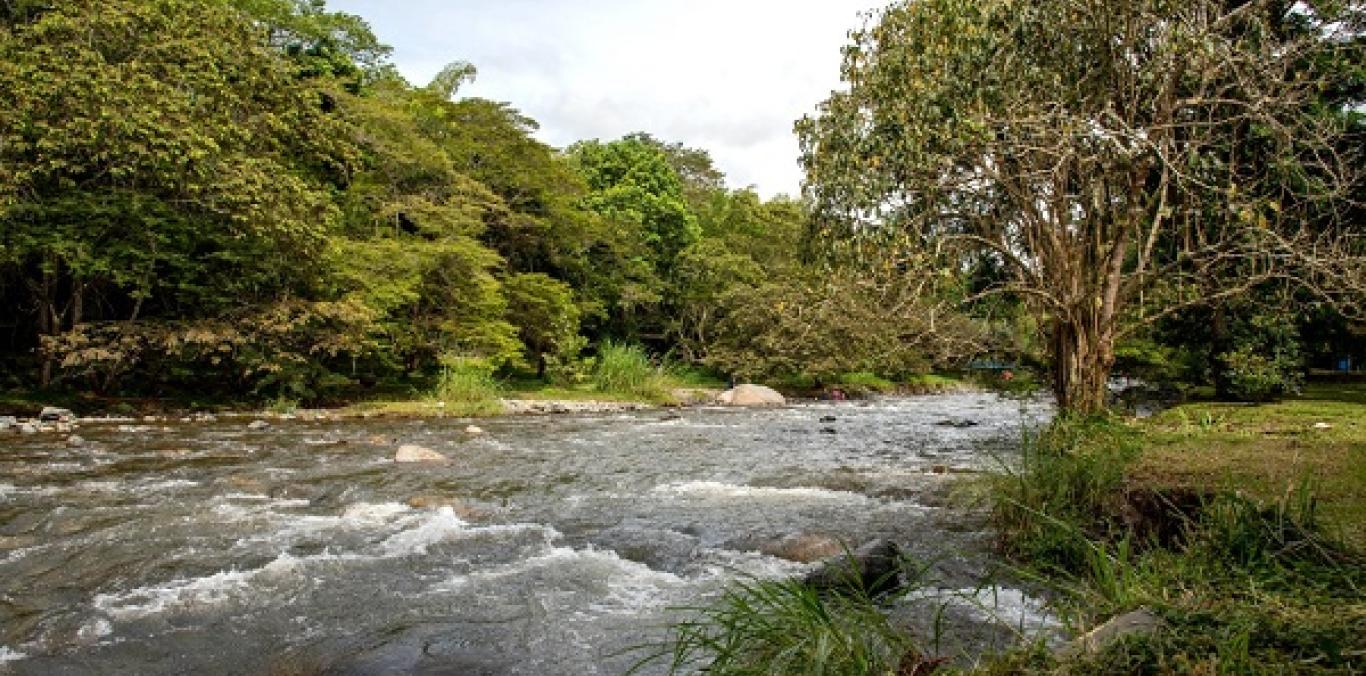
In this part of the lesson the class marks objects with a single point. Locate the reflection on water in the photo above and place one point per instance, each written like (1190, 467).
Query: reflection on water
(547, 546)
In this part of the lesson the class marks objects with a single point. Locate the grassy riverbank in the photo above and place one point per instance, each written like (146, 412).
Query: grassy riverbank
(1239, 526)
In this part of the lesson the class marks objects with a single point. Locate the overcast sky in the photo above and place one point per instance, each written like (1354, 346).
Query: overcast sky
(729, 76)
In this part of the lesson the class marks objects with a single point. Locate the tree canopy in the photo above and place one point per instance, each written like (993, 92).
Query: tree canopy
(1111, 158)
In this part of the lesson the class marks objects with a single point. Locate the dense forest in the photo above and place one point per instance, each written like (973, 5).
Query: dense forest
(245, 195)
(248, 195)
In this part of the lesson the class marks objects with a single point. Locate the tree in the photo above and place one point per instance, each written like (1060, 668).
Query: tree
(1112, 157)
(157, 157)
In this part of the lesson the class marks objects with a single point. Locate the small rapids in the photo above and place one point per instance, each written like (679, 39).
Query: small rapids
(550, 545)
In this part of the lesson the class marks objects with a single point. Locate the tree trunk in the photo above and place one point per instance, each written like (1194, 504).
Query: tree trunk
(46, 319)
(1082, 358)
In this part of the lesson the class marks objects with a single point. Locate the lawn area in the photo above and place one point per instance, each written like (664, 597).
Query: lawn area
(1268, 450)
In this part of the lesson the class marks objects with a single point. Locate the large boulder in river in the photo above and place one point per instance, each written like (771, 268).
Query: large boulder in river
(414, 453)
(56, 415)
(873, 569)
(752, 395)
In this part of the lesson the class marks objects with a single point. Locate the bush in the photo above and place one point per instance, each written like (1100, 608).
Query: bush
(467, 386)
(1251, 376)
(625, 370)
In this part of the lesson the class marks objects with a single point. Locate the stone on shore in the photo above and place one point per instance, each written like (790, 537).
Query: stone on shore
(414, 453)
(1134, 623)
(752, 395)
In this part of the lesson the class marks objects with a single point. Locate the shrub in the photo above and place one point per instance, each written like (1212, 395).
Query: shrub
(625, 370)
(468, 387)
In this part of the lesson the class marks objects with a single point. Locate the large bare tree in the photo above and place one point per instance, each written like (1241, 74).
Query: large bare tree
(1114, 157)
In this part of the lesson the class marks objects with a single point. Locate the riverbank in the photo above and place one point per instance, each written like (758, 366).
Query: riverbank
(518, 397)
(1212, 538)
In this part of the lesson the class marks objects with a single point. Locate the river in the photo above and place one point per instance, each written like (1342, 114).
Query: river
(549, 545)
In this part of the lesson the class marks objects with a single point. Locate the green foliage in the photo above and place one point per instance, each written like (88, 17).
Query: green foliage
(245, 193)
(825, 323)
(546, 317)
(466, 386)
(1243, 587)
(1066, 476)
(631, 181)
(1264, 361)
(625, 370)
(788, 627)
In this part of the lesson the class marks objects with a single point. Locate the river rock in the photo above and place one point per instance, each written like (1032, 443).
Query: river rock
(960, 423)
(1134, 623)
(28, 428)
(474, 430)
(414, 453)
(56, 415)
(461, 508)
(873, 567)
(804, 547)
(752, 395)
(258, 425)
(75, 441)
(8, 422)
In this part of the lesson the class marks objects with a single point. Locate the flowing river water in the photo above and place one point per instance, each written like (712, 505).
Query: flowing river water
(549, 545)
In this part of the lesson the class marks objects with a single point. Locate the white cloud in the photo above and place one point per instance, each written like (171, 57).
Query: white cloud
(727, 76)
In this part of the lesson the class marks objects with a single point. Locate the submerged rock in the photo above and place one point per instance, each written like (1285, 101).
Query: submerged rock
(960, 423)
(414, 453)
(56, 415)
(474, 430)
(752, 395)
(804, 547)
(75, 441)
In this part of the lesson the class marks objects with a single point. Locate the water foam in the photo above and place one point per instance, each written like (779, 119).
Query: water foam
(717, 489)
(627, 586)
(192, 593)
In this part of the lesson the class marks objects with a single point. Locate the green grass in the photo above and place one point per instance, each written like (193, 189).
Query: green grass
(626, 371)
(763, 627)
(1233, 523)
(1266, 450)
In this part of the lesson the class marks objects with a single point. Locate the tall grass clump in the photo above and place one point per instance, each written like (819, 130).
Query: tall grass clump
(467, 387)
(789, 627)
(626, 371)
(1048, 504)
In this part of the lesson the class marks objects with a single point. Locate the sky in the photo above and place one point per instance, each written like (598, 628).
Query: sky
(727, 76)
